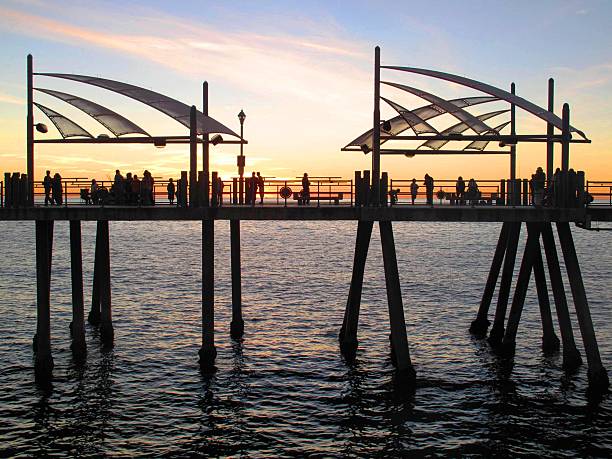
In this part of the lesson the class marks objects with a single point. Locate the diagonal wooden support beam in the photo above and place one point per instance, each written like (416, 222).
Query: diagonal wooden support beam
(598, 376)
(571, 356)
(497, 332)
(348, 332)
(479, 326)
(550, 341)
(522, 282)
(399, 337)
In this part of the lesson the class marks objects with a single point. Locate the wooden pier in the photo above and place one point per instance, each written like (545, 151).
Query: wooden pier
(370, 202)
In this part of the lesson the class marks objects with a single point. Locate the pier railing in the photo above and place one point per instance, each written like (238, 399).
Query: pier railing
(326, 191)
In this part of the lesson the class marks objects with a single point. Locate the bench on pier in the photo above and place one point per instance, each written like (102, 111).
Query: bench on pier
(320, 196)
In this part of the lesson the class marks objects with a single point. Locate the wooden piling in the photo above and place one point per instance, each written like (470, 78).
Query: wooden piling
(237, 324)
(518, 300)
(497, 331)
(77, 326)
(571, 356)
(94, 313)
(107, 332)
(597, 374)
(550, 341)
(348, 332)
(399, 338)
(43, 364)
(479, 326)
(208, 352)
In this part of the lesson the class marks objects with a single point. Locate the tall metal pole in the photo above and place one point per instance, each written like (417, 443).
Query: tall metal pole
(513, 132)
(205, 146)
(550, 130)
(376, 127)
(193, 156)
(30, 133)
(566, 138)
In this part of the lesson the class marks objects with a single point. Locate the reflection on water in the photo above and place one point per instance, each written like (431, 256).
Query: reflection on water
(284, 389)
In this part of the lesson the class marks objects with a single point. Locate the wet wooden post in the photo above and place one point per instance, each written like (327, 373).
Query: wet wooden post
(208, 352)
(358, 193)
(234, 190)
(399, 338)
(43, 364)
(107, 332)
(384, 189)
(571, 356)
(237, 324)
(479, 326)
(518, 300)
(497, 331)
(550, 341)
(366, 189)
(348, 332)
(214, 199)
(525, 192)
(77, 326)
(597, 374)
(94, 313)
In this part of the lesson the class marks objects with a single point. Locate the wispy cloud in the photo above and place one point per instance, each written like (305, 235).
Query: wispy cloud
(9, 99)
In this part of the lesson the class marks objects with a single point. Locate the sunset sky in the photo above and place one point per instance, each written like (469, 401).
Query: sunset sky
(302, 72)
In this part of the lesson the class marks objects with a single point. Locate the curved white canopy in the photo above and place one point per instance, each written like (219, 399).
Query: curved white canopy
(418, 124)
(492, 90)
(171, 107)
(114, 122)
(65, 126)
(445, 106)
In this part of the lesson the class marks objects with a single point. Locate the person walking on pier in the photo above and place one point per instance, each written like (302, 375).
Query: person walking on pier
(147, 189)
(171, 191)
(473, 194)
(56, 189)
(136, 189)
(305, 189)
(47, 185)
(429, 188)
(260, 186)
(460, 190)
(414, 189)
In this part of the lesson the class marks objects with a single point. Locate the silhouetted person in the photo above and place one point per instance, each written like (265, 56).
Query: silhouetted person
(260, 187)
(171, 191)
(56, 189)
(127, 188)
(393, 194)
(538, 182)
(429, 188)
(220, 186)
(305, 189)
(93, 191)
(118, 186)
(460, 189)
(572, 188)
(136, 185)
(472, 191)
(147, 188)
(252, 189)
(414, 189)
(47, 185)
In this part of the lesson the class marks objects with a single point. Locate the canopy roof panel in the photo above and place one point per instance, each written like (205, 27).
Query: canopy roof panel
(488, 89)
(458, 129)
(418, 124)
(114, 122)
(482, 144)
(445, 106)
(171, 107)
(399, 124)
(66, 127)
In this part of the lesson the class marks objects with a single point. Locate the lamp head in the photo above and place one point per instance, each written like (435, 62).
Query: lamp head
(241, 117)
(216, 139)
(386, 126)
(159, 142)
(364, 147)
(41, 127)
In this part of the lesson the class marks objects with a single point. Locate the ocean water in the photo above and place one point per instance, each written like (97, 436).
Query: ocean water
(284, 390)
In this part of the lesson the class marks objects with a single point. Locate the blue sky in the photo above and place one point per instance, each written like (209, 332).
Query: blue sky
(302, 73)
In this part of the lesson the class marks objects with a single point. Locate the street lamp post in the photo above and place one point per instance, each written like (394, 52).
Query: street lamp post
(240, 159)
